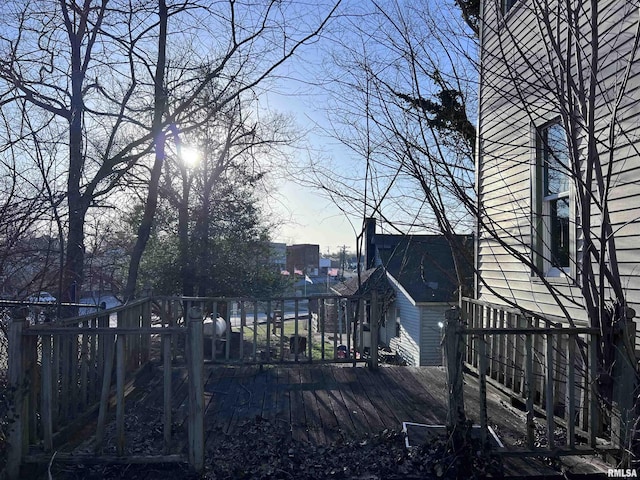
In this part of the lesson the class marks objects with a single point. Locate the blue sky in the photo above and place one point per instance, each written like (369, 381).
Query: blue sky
(311, 217)
(308, 215)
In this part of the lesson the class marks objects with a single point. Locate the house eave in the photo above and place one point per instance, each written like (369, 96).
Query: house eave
(397, 284)
(413, 302)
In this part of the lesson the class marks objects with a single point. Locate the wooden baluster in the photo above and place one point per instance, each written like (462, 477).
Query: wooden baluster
(121, 360)
(549, 393)
(17, 380)
(108, 342)
(196, 390)
(84, 366)
(47, 394)
(482, 351)
(166, 360)
(529, 389)
(571, 420)
(594, 412)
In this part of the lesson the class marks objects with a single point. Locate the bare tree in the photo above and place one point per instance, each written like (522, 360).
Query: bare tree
(245, 60)
(556, 112)
(98, 75)
(213, 179)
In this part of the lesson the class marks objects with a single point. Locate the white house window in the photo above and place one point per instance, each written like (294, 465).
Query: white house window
(505, 5)
(553, 205)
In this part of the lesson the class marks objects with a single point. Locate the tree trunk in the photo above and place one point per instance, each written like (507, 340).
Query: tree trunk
(74, 262)
(160, 102)
(186, 262)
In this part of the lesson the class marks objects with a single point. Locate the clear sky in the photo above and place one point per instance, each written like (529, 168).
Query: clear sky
(308, 216)
(315, 220)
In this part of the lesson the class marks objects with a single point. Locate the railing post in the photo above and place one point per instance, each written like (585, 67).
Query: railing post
(624, 386)
(373, 324)
(454, 345)
(529, 390)
(482, 362)
(47, 394)
(196, 389)
(17, 385)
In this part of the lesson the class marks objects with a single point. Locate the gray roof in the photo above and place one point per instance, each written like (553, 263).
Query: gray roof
(422, 264)
(373, 278)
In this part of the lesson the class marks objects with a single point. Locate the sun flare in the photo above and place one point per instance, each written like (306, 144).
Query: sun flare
(190, 156)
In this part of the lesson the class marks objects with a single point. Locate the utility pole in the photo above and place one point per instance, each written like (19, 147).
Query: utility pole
(343, 259)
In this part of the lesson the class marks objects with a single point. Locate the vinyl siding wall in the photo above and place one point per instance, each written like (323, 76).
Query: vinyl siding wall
(420, 335)
(511, 107)
(388, 330)
(431, 333)
(408, 344)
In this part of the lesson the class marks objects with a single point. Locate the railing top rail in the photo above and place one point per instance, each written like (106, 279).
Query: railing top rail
(100, 313)
(48, 329)
(258, 300)
(532, 330)
(73, 321)
(555, 319)
(26, 303)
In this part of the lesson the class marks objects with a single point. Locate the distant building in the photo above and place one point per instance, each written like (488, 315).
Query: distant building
(278, 255)
(325, 265)
(303, 259)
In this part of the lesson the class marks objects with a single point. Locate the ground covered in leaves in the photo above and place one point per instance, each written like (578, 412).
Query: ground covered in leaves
(265, 450)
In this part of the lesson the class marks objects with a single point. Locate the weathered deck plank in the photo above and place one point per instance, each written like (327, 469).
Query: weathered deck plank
(344, 423)
(283, 412)
(330, 425)
(311, 408)
(324, 404)
(297, 414)
(380, 398)
(321, 403)
(225, 397)
(242, 402)
(370, 414)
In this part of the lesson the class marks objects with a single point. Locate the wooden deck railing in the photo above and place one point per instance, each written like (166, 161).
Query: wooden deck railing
(317, 329)
(549, 368)
(66, 373)
(62, 374)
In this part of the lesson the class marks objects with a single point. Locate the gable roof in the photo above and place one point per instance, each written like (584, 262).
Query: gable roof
(371, 279)
(422, 264)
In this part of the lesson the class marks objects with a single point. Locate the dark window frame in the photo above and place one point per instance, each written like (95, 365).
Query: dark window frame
(551, 220)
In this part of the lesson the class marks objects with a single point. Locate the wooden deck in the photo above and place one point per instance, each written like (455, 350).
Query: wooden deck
(320, 404)
(325, 404)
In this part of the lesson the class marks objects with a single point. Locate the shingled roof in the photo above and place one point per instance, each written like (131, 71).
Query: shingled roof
(422, 264)
(371, 279)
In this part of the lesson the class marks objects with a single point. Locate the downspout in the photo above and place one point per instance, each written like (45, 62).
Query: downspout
(478, 160)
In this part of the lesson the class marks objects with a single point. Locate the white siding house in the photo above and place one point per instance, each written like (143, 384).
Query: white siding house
(419, 328)
(559, 101)
(415, 274)
(420, 270)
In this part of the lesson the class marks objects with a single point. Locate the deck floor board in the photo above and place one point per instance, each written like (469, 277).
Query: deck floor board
(322, 404)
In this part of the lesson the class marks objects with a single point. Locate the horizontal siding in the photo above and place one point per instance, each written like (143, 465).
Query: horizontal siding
(388, 329)
(408, 345)
(430, 348)
(507, 153)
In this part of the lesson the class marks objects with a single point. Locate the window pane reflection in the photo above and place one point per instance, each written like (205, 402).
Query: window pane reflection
(559, 232)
